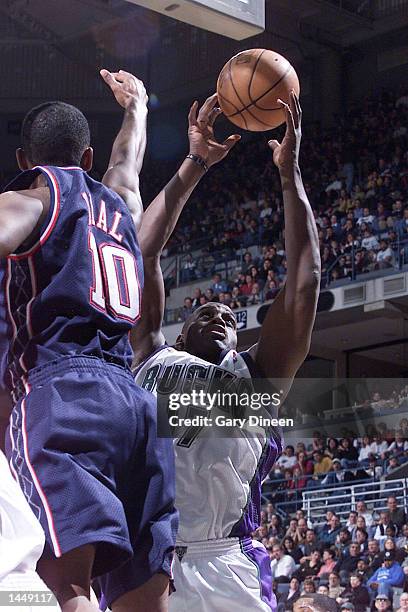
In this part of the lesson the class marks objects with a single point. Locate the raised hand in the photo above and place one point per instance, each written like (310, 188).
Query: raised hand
(201, 132)
(286, 153)
(127, 89)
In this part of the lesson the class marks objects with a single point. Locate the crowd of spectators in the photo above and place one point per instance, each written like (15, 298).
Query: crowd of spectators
(357, 556)
(356, 177)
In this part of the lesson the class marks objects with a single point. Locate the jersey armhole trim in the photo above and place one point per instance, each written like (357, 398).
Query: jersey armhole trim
(254, 371)
(137, 369)
(55, 205)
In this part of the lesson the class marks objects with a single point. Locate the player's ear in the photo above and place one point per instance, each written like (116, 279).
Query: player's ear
(179, 345)
(87, 159)
(22, 160)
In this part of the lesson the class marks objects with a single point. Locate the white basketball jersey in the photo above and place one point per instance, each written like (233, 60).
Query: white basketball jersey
(218, 480)
(21, 536)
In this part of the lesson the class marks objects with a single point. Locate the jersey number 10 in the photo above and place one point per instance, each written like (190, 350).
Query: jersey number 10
(116, 286)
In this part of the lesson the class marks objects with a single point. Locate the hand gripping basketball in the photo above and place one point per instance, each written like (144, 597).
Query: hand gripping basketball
(127, 89)
(201, 132)
(286, 153)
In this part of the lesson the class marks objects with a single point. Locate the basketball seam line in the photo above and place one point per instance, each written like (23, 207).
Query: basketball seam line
(236, 93)
(254, 102)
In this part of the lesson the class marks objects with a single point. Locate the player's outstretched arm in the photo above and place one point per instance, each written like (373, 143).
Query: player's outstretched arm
(129, 147)
(161, 216)
(286, 332)
(20, 214)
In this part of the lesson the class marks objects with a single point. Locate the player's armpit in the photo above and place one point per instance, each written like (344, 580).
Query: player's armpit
(20, 214)
(285, 335)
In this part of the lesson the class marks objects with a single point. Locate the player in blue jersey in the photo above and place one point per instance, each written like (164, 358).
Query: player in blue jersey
(82, 438)
(218, 481)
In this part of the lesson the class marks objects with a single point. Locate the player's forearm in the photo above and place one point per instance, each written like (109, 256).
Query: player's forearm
(130, 143)
(301, 238)
(161, 216)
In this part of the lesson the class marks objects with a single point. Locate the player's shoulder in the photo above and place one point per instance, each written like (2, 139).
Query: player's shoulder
(241, 363)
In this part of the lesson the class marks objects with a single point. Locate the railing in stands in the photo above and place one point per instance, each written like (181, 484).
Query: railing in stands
(343, 498)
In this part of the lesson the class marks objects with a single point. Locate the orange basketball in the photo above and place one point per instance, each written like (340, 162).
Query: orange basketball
(249, 86)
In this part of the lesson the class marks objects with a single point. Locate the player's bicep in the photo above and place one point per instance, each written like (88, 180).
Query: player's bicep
(126, 185)
(147, 335)
(20, 215)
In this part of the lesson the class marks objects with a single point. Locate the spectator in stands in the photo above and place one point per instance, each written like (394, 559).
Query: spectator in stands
(365, 451)
(187, 309)
(255, 297)
(385, 255)
(328, 536)
(366, 217)
(188, 269)
(291, 548)
(348, 563)
(309, 586)
(391, 546)
(275, 527)
(397, 515)
(329, 563)
(292, 531)
(288, 458)
(317, 442)
(272, 290)
(402, 541)
(380, 533)
(399, 446)
(403, 603)
(335, 588)
(389, 575)
(305, 467)
(361, 537)
(310, 543)
(379, 446)
(352, 521)
(363, 570)
(322, 465)
(343, 540)
(218, 285)
(337, 475)
(196, 298)
(323, 589)
(362, 511)
(347, 454)
(331, 449)
(246, 288)
(383, 603)
(309, 566)
(314, 602)
(356, 594)
(286, 600)
(282, 565)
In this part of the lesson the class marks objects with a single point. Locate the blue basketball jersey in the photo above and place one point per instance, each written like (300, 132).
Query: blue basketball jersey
(77, 290)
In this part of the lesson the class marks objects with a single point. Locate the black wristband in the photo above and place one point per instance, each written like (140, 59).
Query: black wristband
(198, 160)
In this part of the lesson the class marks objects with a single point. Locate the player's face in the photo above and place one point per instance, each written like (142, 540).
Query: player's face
(211, 329)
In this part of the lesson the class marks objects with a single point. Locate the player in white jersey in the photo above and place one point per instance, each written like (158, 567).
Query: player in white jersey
(218, 480)
(21, 544)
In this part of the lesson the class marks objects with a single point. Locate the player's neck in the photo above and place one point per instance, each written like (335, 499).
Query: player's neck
(213, 356)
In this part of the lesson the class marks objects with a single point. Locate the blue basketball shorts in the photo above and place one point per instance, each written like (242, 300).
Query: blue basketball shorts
(83, 445)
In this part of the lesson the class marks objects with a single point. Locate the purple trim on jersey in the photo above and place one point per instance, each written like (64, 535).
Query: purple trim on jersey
(137, 369)
(250, 519)
(251, 365)
(260, 558)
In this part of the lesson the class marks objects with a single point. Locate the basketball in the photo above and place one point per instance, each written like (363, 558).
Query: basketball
(250, 85)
